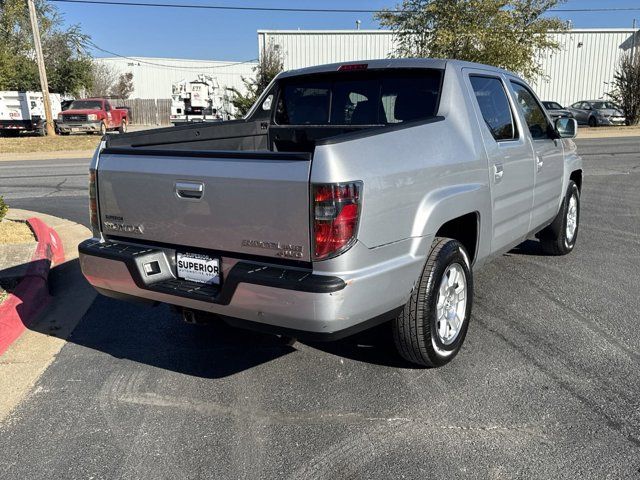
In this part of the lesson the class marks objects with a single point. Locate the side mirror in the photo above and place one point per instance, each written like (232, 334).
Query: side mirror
(566, 127)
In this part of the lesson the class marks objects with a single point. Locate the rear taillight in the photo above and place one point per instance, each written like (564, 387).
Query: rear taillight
(93, 203)
(336, 211)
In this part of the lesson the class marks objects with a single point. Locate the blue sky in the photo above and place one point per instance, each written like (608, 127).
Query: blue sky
(231, 35)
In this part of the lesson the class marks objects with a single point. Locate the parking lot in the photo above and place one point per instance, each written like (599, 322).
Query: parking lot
(547, 384)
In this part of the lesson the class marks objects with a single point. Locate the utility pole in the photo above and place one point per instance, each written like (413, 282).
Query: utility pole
(44, 85)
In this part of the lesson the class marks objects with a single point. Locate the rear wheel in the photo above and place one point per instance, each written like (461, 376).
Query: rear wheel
(123, 127)
(560, 237)
(432, 327)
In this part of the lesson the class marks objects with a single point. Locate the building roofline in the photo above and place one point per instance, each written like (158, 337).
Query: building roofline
(387, 32)
(166, 59)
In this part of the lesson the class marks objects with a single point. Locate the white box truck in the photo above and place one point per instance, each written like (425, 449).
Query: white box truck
(24, 112)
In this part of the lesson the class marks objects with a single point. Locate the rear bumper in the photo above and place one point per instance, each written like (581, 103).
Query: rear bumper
(256, 295)
(79, 127)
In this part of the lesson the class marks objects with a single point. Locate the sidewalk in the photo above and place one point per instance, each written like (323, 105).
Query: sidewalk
(609, 132)
(24, 361)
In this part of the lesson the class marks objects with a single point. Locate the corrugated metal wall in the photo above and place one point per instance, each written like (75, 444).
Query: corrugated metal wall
(584, 66)
(153, 77)
(582, 69)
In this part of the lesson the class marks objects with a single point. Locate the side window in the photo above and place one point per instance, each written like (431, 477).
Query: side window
(494, 105)
(533, 112)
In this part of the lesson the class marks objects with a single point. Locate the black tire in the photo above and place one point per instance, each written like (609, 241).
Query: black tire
(554, 238)
(415, 330)
(123, 127)
(592, 122)
(103, 130)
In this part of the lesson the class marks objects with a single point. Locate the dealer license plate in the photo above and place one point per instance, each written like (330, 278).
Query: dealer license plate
(198, 268)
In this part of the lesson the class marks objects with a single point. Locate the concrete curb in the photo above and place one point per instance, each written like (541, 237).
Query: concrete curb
(31, 295)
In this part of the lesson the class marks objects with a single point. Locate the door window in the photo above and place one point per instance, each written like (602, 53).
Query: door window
(532, 110)
(494, 105)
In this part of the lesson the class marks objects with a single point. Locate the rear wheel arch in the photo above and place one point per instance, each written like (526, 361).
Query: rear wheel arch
(576, 176)
(465, 229)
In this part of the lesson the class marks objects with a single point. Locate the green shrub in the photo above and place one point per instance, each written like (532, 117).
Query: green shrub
(3, 208)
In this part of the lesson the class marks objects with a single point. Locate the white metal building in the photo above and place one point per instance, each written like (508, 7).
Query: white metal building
(582, 69)
(153, 77)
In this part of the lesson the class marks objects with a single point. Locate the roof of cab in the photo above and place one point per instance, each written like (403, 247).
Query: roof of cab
(438, 63)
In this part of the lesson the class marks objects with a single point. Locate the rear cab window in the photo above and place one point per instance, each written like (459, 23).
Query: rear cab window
(494, 106)
(375, 97)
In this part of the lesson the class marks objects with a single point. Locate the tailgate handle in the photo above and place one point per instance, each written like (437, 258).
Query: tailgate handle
(189, 189)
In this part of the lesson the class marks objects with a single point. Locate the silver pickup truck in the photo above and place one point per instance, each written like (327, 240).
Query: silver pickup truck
(351, 195)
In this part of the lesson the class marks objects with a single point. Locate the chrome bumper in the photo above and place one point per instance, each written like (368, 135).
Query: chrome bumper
(79, 127)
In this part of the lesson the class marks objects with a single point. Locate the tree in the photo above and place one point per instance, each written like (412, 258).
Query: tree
(67, 63)
(123, 88)
(103, 78)
(626, 87)
(271, 64)
(505, 33)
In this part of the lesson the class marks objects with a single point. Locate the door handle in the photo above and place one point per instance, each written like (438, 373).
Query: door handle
(498, 171)
(191, 190)
(539, 163)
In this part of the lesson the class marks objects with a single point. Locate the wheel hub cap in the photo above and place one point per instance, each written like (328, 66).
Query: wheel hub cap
(572, 218)
(451, 304)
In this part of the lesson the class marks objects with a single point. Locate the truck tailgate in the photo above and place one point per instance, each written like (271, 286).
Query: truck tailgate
(253, 203)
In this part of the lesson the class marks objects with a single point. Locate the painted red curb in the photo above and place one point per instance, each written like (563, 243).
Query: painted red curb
(31, 295)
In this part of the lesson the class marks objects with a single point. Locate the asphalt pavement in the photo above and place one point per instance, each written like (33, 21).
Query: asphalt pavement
(54, 187)
(547, 384)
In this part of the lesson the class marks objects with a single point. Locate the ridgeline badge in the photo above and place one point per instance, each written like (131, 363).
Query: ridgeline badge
(284, 249)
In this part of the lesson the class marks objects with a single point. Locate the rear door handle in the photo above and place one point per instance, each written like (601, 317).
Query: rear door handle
(498, 171)
(189, 190)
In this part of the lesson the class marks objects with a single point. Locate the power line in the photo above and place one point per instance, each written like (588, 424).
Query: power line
(133, 59)
(308, 10)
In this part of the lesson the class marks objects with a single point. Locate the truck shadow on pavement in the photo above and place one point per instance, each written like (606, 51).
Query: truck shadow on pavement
(528, 247)
(158, 337)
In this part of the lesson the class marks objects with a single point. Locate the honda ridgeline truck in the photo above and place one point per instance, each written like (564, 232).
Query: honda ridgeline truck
(350, 195)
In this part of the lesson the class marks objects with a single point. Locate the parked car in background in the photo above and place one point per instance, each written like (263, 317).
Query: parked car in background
(556, 110)
(92, 115)
(597, 112)
(351, 194)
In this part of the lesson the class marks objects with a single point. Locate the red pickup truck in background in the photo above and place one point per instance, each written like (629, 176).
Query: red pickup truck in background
(92, 115)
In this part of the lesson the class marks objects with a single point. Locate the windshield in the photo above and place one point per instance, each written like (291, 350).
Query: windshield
(603, 105)
(359, 98)
(552, 105)
(86, 105)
